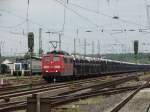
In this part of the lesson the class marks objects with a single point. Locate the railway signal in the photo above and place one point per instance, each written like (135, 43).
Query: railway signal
(30, 47)
(30, 41)
(136, 44)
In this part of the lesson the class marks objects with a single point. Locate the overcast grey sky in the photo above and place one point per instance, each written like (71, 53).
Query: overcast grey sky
(93, 15)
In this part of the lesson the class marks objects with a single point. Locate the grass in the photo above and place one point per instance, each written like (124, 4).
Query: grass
(70, 108)
(145, 76)
(94, 100)
(75, 107)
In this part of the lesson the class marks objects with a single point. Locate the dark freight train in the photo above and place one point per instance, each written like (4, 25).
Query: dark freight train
(59, 64)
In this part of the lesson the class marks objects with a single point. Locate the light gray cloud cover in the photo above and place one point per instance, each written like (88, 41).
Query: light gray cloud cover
(50, 14)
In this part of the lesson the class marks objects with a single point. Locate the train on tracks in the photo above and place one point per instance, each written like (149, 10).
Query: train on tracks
(21, 66)
(59, 65)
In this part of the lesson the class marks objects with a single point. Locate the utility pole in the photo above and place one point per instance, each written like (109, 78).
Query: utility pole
(92, 48)
(1, 45)
(98, 48)
(0, 49)
(40, 42)
(77, 31)
(60, 41)
(74, 46)
(85, 47)
(148, 16)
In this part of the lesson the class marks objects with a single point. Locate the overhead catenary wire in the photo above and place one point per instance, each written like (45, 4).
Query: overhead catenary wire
(45, 27)
(14, 26)
(24, 18)
(75, 12)
(87, 19)
(105, 15)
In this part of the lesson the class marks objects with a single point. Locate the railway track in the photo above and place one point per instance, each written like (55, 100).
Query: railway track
(27, 87)
(126, 100)
(71, 93)
(9, 88)
(13, 88)
(61, 100)
(56, 101)
(72, 85)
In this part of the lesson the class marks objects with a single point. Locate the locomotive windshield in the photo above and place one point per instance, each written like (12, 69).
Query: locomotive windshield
(47, 59)
(17, 66)
(56, 58)
(25, 66)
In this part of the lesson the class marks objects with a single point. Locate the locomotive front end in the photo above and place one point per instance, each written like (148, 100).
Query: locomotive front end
(52, 66)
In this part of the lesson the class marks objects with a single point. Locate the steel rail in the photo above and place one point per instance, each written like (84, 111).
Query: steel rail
(126, 100)
(61, 100)
(47, 87)
(104, 85)
(52, 86)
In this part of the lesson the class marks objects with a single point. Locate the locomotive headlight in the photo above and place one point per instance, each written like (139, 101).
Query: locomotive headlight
(45, 67)
(56, 71)
(46, 71)
(57, 66)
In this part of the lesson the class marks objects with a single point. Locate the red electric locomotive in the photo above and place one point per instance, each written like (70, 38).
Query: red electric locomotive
(57, 64)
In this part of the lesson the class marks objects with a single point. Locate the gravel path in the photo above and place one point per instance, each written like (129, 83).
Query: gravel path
(139, 103)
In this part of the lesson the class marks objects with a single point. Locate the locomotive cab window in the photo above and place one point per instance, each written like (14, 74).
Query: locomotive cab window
(17, 66)
(56, 58)
(25, 66)
(47, 59)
